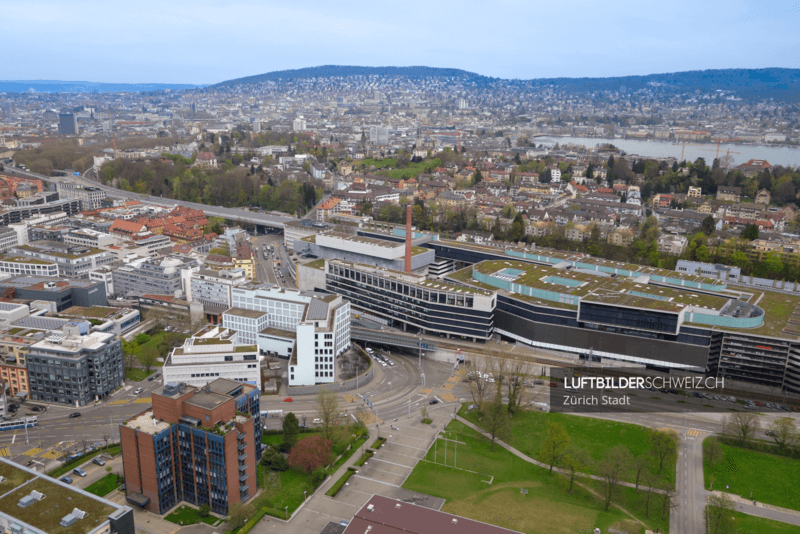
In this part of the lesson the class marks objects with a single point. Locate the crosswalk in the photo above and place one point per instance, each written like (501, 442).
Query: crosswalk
(145, 400)
(693, 432)
(426, 391)
(118, 402)
(4, 452)
(52, 455)
(448, 397)
(33, 452)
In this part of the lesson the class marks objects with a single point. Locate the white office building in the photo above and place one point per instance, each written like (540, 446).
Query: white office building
(310, 329)
(210, 354)
(213, 288)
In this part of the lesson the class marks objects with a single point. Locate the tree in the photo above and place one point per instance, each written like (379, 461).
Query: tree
(515, 383)
(478, 369)
(555, 445)
(328, 407)
(238, 514)
(708, 225)
(204, 511)
(667, 499)
(310, 453)
(649, 480)
(742, 425)
(784, 432)
(612, 469)
(750, 232)
(477, 177)
(148, 357)
(424, 412)
(575, 459)
(291, 429)
(638, 467)
(713, 450)
(664, 446)
(495, 421)
(719, 513)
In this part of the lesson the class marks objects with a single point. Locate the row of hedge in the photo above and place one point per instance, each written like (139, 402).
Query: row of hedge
(341, 482)
(378, 443)
(69, 466)
(364, 457)
(761, 446)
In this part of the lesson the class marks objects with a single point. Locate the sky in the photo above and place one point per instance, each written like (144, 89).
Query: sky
(204, 42)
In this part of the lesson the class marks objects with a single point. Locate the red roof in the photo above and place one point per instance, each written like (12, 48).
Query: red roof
(205, 156)
(127, 227)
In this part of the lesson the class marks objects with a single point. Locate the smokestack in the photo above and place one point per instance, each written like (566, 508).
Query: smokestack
(408, 238)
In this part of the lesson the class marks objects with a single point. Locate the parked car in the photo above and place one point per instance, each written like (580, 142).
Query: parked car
(771, 433)
(73, 415)
(317, 421)
(751, 407)
(66, 480)
(553, 384)
(287, 399)
(150, 378)
(80, 472)
(539, 382)
(98, 461)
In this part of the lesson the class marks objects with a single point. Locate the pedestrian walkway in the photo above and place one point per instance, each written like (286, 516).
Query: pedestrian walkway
(32, 452)
(693, 433)
(5, 453)
(760, 509)
(145, 400)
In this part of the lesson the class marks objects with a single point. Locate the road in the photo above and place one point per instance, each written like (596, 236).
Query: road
(275, 220)
(265, 269)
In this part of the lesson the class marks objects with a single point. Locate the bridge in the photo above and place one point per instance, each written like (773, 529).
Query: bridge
(406, 341)
(263, 222)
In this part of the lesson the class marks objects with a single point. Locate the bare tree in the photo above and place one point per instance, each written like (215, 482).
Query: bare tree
(575, 459)
(742, 425)
(713, 450)
(148, 357)
(638, 467)
(649, 479)
(784, 432)
(328, 407)
(478, 380)
(495, 420)
(719, 513)
(612, 468)
(668, 500)
(664, 446)
(106, 437)
(84, 445)
(424, 412)
(518, 370)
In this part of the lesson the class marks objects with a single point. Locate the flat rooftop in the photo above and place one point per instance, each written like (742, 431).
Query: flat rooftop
(207, 401)
(241, 312)
(144, 422)
(59, 500)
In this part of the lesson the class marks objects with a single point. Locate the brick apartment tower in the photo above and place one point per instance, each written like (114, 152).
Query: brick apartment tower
(199, 445)
(408, 238)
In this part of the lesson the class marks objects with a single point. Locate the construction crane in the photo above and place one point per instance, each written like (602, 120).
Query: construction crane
(720, 140)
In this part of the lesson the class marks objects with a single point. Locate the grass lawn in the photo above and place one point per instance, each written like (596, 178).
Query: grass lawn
(771, 478)
(596, 435)
(547, 508)
(105, 485)
(189, 516)
(748, 524)
(136, 375)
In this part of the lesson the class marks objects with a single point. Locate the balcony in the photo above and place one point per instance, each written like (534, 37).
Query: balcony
(242, 467)
(242, 446)
(243, 456)
(243, 489)
(240, 436)
(242, 478)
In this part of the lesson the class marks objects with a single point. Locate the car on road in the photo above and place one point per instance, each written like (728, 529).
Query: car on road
(74, 415)
(66, 480)
(99, 461)
(37, 409)
(433, 401)
(80, 472)
(287, 399)
(150, 378)
(553, 384)
(13, 407)
(771, 433)
(317, 421)
(751, 407)
(137, 391)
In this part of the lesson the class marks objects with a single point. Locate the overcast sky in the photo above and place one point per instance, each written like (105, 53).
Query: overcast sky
(176, 41)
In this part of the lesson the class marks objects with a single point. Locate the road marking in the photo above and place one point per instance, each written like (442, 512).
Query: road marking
(145, 400)
(14, 437)
(33, 452)
(694, 432)
(52, 455)
(4, 452)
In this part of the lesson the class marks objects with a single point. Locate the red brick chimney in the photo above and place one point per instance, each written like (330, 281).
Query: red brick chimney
(408, 238)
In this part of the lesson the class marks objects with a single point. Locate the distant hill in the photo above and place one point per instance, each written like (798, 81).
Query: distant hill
(778, 83)
(60, 86)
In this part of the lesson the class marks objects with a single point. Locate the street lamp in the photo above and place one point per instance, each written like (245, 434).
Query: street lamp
(305, 496)
(286, 508)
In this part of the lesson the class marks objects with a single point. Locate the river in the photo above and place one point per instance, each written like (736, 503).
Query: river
(786, 156)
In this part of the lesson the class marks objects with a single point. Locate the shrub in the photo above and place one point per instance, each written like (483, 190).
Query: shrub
(318, 476)
(310, 453)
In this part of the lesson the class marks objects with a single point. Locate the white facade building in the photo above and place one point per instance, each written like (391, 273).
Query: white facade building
(213, 288)
(213, 353)
(311, 329)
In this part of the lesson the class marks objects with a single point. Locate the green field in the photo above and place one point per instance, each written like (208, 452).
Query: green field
(189, 516)
(136, 375)
(748, 524)
(105, 485)
(547, 508)
(596, 435)
(772, 479)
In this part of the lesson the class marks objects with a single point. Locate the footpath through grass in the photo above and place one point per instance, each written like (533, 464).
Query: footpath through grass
(528, 432)
(547, 507)
(772, 479)
(105, 485)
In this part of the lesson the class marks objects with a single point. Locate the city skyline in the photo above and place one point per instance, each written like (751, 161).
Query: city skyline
(201, 43)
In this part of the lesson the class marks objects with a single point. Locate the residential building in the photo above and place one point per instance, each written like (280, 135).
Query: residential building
(123, 228)
(70, 206)
(9, 238)
(196, 445)
(672, 244)
(763, 197)
(87, 237)
(299, 124)
(732, 194)
(106, 276)
(311, 329)
(74, 261)
(695, 192)
(210, 354)
(243, 258)
(35, 503)
(754, 167)
(75, 366)
(406, 300)
(622, 237)
(328, 209)
(383, 515)
(63, 292)
(21, 265)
